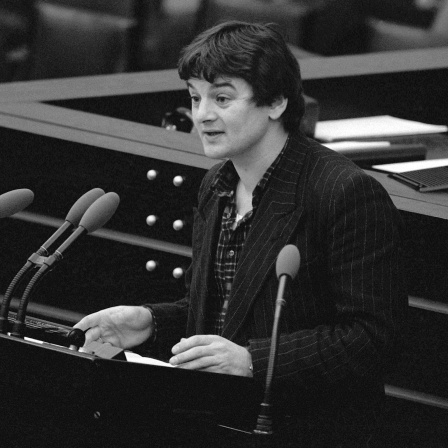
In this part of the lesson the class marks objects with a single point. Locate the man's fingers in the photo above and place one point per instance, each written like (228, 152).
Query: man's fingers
(202, 363)
(88, 321)
(191, 342)
(83, 324)
(190, 355)
(92, 334)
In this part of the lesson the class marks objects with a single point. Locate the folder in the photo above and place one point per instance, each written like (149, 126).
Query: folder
(425, 180)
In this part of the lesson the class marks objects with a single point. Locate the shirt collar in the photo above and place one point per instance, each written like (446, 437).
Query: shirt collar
(227, 179)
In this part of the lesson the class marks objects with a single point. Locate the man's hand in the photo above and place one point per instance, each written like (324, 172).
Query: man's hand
(121, 326)
(212, 353)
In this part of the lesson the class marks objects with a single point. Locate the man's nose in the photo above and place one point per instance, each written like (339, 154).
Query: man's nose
(205, 111)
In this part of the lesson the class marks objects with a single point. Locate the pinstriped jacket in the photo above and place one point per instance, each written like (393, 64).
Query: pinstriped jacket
(346, 307)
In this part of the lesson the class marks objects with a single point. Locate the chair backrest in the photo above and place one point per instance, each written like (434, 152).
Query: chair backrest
(388, 36)
(289, 16)
(124, 8)
(440, 24)
(16, 20)
(74, 42)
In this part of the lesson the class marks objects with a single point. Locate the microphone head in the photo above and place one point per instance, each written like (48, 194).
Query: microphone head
(100, 212)
(288, 261)
(76, 337)
(82, 204)
(14, 201)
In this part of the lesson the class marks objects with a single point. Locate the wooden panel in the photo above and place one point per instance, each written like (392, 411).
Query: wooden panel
(434, 204)
(105, 132)
(167, 80)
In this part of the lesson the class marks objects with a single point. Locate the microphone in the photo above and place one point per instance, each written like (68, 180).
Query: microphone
(14, 201)
(73, 217)
(77, 338)
(287, 266)
(95, 217)
(72, 220)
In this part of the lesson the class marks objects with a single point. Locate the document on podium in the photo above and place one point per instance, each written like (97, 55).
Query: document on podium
(411, 166)
(130, 356)
(380, 126)
(134, 357)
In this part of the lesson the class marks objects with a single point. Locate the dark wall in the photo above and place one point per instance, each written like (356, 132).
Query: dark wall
(414, 95)
(96, 272)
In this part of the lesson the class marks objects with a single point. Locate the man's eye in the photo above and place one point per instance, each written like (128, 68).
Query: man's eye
(222, 99)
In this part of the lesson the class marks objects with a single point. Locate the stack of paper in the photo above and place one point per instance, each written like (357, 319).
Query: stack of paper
(404, 167)
(372, 127)
(134, 357)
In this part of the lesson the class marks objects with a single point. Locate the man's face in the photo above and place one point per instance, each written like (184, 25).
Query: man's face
(228, 121)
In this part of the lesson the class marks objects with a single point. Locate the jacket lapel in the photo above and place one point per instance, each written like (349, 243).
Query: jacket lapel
(278, 215)
(207, 220)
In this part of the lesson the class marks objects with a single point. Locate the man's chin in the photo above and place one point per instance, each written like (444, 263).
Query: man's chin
(213, 153)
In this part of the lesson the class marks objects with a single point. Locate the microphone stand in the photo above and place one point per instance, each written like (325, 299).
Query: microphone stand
(19, 325)
(36, 260)
(95, 217)
(264, 421)
(39, 258)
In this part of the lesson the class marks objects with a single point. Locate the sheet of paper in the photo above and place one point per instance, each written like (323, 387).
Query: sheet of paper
(41, 342)
(130, 356)
(411, 166)
(348, 145)
(372, 127)
(134, 357)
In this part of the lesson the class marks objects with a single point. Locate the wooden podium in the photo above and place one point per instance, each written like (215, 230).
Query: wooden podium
(58, 397)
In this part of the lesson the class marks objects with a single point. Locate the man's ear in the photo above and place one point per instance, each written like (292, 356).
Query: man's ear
(278, 107)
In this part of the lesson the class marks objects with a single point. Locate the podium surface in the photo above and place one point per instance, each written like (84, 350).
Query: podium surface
(60, 392)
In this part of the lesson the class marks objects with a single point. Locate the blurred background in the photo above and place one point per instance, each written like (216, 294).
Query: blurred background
(65, 38)
(69, 38)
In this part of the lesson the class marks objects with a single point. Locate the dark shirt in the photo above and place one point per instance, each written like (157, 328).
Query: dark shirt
(234, 230)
